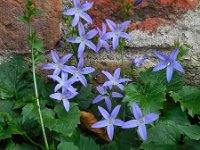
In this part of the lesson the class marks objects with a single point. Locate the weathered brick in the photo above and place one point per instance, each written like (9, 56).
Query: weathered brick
(13, 33)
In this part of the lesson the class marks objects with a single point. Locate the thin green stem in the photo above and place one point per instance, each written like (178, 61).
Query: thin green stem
(121, 47)
(36, 93)
(32, 142)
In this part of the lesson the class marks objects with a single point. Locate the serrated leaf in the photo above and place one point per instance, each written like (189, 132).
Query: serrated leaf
(192, 131)
(67, 145)
(29, 111)
(189, 98)
(86, 143)
(150, 98)
(11, 73)
(85, 97)
(153, 146)
(66, 121)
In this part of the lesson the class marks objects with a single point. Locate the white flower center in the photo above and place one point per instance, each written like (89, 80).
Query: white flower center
(114, 82)
(58, 65)
(169, 62)
(117, 33)
(78, 11)
(83, 39)
(141, 121)
(77, 72)
(110, 121)
(63, 96)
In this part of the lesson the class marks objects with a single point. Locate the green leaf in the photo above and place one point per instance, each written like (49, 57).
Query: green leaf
(22, 146)
(30, 111)
(191, 144)
(159, 78)
(85, 97)
(153, 146)
(189, 98)
(192, 131)
(86, 143)
(67, 145)
(150, 97)
(11, 73)
(66, 121)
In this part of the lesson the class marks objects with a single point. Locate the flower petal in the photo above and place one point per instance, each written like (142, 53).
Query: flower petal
(107, 74)
(103, 28)
(120, 86)
(86, 17)
(142, 132)
(80, 63)
(81, 29)
(98, 99)
(111, 24)
(161, 56)
(69, 12)
(54, 56)
(123, 25)
(108, 103)
(56, 71)
(115, 111)
(106, 45)
(82, 80)
(117, 73)
(169, 73)
(122, 80)
(77, 3)
(66, 104)
(108, 35)
(99, 45)
(91, 34)
(81, 49)
(100, 124)
(150, 118)
(115, 42)
(104, 113)
(55, 77)
(178, 67)
(125, 35)
(65, 58)
(48, 66)
(91, 45)
(160, 66)
(136, 111)
(130, 124)
(116, 95)
(110, 131)
(87, 70)
(118, 122)
(57, 96)
(87, 6)
(75, 20)
(174, 54)
(57, 87)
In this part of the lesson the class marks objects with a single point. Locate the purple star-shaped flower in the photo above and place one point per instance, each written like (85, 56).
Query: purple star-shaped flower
(102, 40)
(168, 62)
(79, 11)
(84, 39)
(104, 95)
(110, 121)
(58, 63)
(79, 72)
(63, 82)
(116, 32)
(140, 121)
(65, 97)
(139, 61)
(114, 80)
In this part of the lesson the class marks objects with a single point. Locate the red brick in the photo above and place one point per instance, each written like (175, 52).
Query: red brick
(13, 33)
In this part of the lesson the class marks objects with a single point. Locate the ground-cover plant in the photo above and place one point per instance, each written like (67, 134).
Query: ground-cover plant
(154, 110)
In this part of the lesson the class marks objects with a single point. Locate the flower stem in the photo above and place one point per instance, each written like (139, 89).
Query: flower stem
(121, 48)
(36, 93)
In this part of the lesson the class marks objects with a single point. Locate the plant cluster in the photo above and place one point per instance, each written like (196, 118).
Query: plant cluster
(38, 114)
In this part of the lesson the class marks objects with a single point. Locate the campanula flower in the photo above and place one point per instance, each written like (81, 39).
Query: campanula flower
(168, 62)
(116, 32)
(64, 97)
(79, 11)
(140, 121)
(84, 39)
(102, 41)
(110, 121)
(63, 82)
(58, 63)
(139, 61)
(104, 95)
(79, 72)
(138, 2)
(114, 80)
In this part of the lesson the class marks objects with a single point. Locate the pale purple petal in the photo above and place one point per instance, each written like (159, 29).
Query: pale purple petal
(86, 17)
(91, 34)
(136, 111)
(81, 49)
(117, 73)
(118, 122)
(125, 35)
(98, 99)
(106, 45)
(81, 29)
(178, 67)
(108, 103)
(107, 74)
(104, 113)
(115, 42)
(56, 71)
(103, 28)
(124, 80)
(69, 69)
(108, 35)
(57, 87)
(82, 80)
(161, 56)
(174, 54)
(80, 63)
(111, 24)
(123, 25)
(120, 86)
(130, 124)
(99, 45)
(100, 89)
(91, 45)
(87, 70)
(115, 111)
(142, 131)
(70, 11)
(66, 104)
(87, 6)
(54, 56)
(55, 77)
(108, 84)
(100, 124)
(117, 95)
(150, 118)
(77, 3)
(169, 73)
(48, 66)
(160, 66)
(57, 96)
(75, 20)
(77, 40)
(110, 131)
(66, 58)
